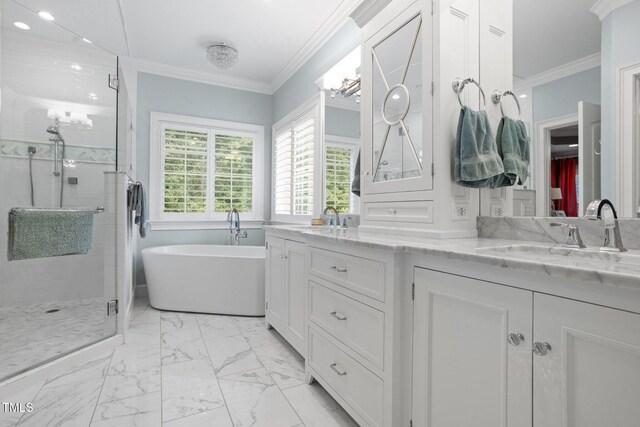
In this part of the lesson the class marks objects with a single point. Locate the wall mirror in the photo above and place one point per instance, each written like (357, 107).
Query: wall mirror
(576, 76)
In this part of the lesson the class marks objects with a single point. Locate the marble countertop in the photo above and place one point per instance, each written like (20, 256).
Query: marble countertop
(536, 257)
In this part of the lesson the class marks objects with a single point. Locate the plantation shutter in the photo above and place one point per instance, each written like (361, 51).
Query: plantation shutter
(338, 178)
(233, 187)
(283, 173)
(184, 165)
(304, 146)
(294, 166)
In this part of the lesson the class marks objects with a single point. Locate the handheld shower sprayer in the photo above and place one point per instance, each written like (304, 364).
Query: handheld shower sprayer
(56, 139)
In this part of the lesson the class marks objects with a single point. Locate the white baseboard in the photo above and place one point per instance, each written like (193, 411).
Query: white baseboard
(141, 291)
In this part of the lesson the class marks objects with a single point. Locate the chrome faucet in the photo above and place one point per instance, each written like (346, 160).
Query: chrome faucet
(573, 240)
(235, 233)
(336, 219)
(610, 219)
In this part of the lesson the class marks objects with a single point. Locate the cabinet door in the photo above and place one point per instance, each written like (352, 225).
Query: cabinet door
(467, 372)
(295, 295)
(589, 375)
(275, 283)
(397, 131)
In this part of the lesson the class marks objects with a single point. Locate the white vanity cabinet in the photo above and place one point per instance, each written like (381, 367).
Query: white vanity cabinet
(286, 290)
(492, 355)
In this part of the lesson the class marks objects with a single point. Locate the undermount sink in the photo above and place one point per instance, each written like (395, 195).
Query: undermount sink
(561, 252)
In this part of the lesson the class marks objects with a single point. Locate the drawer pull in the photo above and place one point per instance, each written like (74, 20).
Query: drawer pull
(338, 269)
(338, 316)
(336, 370)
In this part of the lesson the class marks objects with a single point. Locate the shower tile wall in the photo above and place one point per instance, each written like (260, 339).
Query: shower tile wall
(72, 277)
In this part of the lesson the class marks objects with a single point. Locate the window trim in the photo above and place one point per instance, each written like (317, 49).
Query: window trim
(353, 144)
(316, 102)
(161, 221)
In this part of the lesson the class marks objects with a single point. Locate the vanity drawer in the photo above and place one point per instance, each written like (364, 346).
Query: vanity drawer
(358, 274)
(355, 324)
(357, 385)
(415, 212)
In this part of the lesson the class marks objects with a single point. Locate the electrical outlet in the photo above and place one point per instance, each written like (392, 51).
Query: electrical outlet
(459, 212)
(497, 210)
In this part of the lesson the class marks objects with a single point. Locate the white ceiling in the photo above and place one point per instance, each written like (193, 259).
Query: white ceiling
(551, 33)
(274, 36)
(271, 35)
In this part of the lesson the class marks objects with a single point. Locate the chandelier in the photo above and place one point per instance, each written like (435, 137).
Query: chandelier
(222, 55)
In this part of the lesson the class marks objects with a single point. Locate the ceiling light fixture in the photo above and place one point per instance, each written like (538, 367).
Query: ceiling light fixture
(76, 67)
(222, 55)
(46, 15)
(573, 145)
(395, 96)
(524, 95)
(86, 40)
(22, 25)
(93, 96)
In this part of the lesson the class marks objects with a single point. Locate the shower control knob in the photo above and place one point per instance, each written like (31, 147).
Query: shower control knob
(515, 339)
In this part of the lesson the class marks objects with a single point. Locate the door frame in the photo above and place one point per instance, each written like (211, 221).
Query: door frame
(626, 158)
(543, 152)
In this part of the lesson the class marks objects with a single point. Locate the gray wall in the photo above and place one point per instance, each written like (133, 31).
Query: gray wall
(342, 122)
(169, 95)
(301, 86)
(620, 47)
(560, 97)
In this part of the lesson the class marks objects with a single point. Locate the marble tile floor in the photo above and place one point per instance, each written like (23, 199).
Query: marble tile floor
(185, 370)
(31, 336)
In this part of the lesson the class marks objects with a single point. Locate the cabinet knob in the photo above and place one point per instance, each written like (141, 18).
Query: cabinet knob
(392, 211)
(333, 366)
(515, 339)
(338, 316)
(541, 348)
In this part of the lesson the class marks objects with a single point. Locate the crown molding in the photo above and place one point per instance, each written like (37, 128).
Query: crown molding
(367, 10)
(602, 8)
(330, 26)
(565, 70)
(196, 76)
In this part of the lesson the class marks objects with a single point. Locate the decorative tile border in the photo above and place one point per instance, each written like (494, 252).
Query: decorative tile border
(80, 153)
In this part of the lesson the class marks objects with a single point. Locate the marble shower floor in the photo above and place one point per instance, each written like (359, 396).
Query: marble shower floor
(31, 336)
(185, 370)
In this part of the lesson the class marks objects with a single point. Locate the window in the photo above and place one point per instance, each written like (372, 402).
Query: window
(340, 159)
(202, 168)
(297, 156)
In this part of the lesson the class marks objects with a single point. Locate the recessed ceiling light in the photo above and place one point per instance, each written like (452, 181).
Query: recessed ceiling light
(46, 15)
(22, 25)
(573, 145)
(93, 96)
(76, 67)
(395, 96)
(524, 95)
(86, 40)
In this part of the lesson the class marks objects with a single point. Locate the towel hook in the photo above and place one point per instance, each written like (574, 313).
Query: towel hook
(459, 84)
(497, 97)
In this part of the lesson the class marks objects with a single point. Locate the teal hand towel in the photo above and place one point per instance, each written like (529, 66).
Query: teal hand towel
(477, 160)
(40, 233)
(513, 147)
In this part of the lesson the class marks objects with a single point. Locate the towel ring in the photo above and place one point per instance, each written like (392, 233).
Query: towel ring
(458, 86)
(498, 96)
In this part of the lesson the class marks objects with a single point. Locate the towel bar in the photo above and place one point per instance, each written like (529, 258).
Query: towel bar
(459, 84)
(497, 97)
(97, 210)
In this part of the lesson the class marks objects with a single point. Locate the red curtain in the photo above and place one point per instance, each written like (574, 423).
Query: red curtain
(563, 174)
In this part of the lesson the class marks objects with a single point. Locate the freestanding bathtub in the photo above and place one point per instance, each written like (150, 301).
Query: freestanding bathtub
(206, 278)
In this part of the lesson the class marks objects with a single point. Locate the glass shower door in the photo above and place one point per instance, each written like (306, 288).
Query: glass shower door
(57, 140)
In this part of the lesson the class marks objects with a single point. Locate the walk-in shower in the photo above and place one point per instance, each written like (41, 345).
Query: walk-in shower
(57, 156)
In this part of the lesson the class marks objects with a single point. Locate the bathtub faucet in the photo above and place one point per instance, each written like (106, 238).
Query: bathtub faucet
(233, 218)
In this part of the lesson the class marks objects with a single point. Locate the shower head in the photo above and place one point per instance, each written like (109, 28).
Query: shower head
(54, 128)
